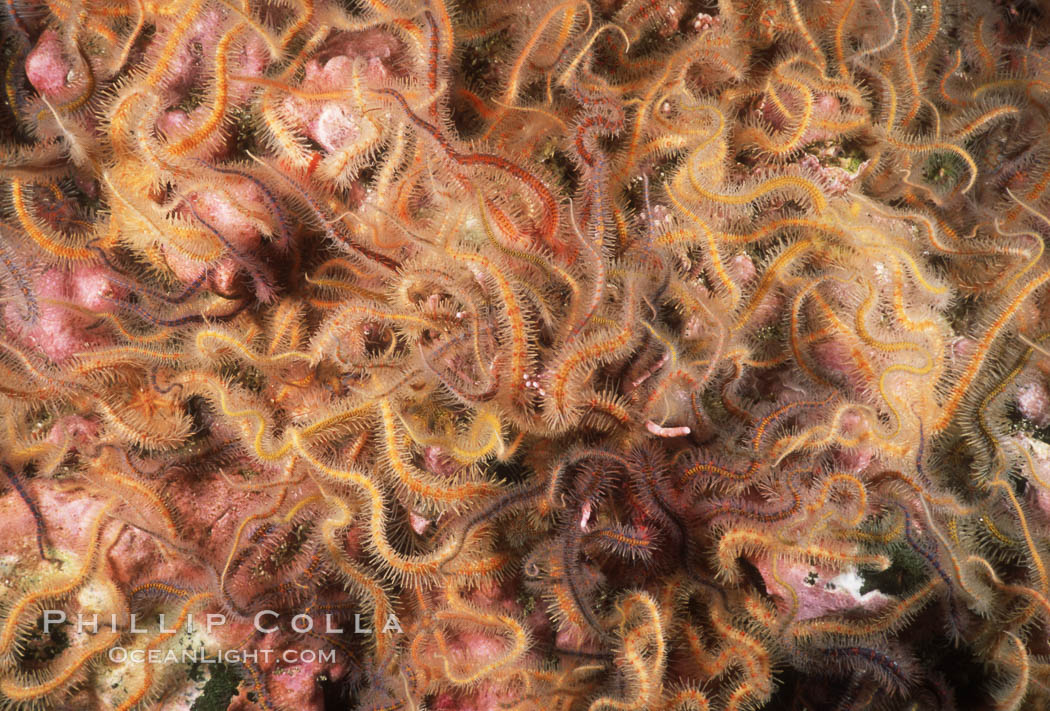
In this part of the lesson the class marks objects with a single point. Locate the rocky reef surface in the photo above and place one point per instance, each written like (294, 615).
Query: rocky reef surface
(573, 356)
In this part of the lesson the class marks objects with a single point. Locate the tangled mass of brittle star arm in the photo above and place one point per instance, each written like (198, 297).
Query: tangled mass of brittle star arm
(593, 356)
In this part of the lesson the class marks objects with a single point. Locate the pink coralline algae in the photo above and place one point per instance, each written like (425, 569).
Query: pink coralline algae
(70, 301)
(1033, 402)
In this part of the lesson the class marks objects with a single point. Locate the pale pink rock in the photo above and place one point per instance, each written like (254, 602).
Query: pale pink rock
(236, 227)
(335, 125)
(248, 56)
(437, 461)
(418, 523)
(768, 310)
(1042, 502)
(1038, 493)
(703, 21)
(571, 637)
(336, 72)
(93, 289)
(173, 122)
(334, 128)
(835, 180)
(1033, 402)
(825, 106)
(772, 116)
(371, 45)
(833, 355)
(252, 60)
(79, 429)
(496, 596)
(68, 513)
(223, 277)
(660, 218)
(201, 38)
(821, 591)
(186, 270)
(839, 181)
(47, 67)
(470, 648)
(853, 424)
(296, 685)
(60, 331)
(962, 348)
(228, 219)
(697, 325)
(138, 558)
(855, 459)
(742, 269)
(376, 68)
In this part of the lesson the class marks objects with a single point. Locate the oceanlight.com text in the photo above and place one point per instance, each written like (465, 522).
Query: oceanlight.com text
(264, 622)
(120, 655)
